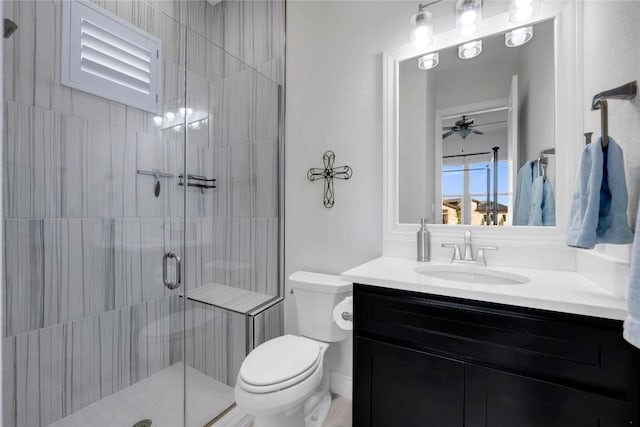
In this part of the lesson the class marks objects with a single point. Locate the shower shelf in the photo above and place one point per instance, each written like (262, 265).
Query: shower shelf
(233, 299)
(198, 181)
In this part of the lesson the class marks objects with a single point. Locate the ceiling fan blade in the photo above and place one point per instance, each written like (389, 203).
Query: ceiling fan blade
(478, 132)
(490, 123)
(449, 127)
(447, 134)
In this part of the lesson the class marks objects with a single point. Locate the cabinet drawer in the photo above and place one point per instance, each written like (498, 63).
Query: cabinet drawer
(575, 350)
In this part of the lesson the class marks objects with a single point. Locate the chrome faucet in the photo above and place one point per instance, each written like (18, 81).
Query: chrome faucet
(468, 249)
(467, 254)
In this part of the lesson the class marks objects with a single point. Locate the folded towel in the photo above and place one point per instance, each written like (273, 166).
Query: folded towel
(632, 323)
(542, 208)
(599, 205)
(522, 205)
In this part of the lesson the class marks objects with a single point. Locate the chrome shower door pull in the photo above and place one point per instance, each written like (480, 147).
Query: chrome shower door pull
(165, 279)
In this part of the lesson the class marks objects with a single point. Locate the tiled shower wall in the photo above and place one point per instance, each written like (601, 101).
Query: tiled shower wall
(86, 313)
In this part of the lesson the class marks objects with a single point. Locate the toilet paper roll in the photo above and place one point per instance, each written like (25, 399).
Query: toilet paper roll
(345, 307)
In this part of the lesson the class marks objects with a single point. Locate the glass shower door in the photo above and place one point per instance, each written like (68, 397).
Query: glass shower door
(94, 330)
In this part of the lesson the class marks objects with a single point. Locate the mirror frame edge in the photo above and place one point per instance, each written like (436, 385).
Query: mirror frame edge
(567, 16)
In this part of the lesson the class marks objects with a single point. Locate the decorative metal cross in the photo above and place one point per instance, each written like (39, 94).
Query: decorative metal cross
(328, 173)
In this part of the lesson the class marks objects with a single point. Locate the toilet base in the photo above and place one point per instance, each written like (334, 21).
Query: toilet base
(297, 418)
(288, 419)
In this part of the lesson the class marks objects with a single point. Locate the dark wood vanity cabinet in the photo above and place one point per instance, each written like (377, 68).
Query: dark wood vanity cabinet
(426, 360)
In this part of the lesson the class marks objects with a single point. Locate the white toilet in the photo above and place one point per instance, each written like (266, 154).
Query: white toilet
(284, 382)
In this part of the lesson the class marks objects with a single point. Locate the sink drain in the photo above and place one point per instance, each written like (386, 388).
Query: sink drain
(142, 423)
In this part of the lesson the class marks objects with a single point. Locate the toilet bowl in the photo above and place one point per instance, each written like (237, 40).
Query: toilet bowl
(284, 382)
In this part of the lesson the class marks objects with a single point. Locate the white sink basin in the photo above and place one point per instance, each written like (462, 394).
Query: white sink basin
(471, 274)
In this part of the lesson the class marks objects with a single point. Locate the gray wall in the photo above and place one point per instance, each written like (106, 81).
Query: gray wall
(85, 310)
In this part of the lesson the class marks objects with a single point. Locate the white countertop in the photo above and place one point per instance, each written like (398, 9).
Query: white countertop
(561, 291)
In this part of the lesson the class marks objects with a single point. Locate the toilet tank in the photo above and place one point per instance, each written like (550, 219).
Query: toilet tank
(316, 294)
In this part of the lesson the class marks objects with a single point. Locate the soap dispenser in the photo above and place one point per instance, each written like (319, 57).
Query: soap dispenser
(423, 241)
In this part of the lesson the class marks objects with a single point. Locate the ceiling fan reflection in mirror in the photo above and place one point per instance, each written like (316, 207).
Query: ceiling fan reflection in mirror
(465, 127)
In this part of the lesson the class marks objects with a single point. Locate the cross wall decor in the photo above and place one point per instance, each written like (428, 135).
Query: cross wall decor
(328, 173)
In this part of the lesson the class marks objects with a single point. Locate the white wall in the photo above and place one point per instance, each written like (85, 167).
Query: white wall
(611, 53)
(334, 101)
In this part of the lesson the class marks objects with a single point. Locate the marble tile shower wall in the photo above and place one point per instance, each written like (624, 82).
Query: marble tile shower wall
(85, 310)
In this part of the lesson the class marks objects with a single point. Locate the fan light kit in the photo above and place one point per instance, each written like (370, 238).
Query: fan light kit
(429, 61)
(518, 37)
(470, 50)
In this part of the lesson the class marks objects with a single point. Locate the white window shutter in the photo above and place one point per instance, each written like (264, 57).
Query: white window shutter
(106, 56)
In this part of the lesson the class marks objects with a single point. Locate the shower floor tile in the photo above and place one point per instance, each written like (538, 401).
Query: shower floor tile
(158, 398)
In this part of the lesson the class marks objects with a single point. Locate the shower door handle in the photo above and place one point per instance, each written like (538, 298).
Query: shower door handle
(165, 279)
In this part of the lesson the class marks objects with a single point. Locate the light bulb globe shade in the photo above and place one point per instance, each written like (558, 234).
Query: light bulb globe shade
(429, 61)
(520, 4)
(518, 37)
(470, 50)
(157, 120)
(422, 31)
(468, 14)
(468, 17)
(467, 31)
(522, 10)
(170, 115)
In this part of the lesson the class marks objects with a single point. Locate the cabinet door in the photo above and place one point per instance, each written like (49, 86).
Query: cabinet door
(395, 386)
(500, 399)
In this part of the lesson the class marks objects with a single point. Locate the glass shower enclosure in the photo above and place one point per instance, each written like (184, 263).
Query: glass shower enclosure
(142, 246)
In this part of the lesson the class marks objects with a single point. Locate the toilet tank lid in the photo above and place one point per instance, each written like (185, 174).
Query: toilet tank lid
(319, 282)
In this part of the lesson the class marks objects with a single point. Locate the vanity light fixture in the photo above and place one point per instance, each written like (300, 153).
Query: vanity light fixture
(470, 50)
(157, 120)
(429, 61)
(518, 37)
(521, 10)
(170, 115)
(187, 111)
(468, 16)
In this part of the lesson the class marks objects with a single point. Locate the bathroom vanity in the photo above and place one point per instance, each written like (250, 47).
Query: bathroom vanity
(422, 358)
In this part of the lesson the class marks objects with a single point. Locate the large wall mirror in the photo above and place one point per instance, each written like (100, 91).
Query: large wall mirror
(460, 138)
(478, 122)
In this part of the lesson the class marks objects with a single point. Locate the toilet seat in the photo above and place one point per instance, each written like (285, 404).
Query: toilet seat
(291, 359)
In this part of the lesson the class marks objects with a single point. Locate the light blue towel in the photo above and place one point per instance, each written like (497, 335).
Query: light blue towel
(542, 207)
(632, 323)
(599, 205)
(522, 205)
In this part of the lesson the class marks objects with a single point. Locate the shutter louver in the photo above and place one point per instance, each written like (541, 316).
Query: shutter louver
(108, 57)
